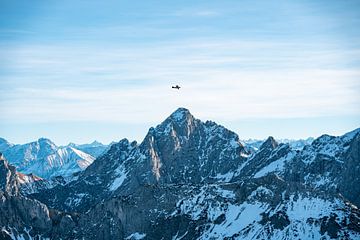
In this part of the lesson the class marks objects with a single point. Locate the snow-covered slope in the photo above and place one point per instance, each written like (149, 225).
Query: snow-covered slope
(43, 158)
(266, 212)
(94, 149)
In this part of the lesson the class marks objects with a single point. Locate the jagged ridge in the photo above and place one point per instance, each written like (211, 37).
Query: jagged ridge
(194, 180)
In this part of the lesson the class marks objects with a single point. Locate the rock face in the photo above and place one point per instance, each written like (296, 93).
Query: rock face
(330, 164)
(349, 177)
(190, 179)
(181, 149)
(22, 217)
(8, 178)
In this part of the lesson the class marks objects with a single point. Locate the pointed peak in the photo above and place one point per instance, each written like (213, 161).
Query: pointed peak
(180, 121)
(95, 142)
(269, 143)
(180, 114)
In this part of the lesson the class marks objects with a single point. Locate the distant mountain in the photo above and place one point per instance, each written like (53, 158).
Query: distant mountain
(94, 149)
(43, 158)
(252, 145)
(4, 144)
(297, 144)
(190, 179)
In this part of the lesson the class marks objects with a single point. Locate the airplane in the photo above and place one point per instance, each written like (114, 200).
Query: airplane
(176, 87)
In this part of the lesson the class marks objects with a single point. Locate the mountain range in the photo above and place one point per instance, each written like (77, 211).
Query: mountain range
(190, 179)
(44, 159)
(47, 160)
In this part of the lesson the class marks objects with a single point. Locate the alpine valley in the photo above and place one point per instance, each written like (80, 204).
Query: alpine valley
(187, 179)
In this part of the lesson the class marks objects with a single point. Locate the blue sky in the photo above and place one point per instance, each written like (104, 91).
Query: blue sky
(84, 70)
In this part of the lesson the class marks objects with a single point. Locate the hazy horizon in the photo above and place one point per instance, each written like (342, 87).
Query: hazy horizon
(63, 142)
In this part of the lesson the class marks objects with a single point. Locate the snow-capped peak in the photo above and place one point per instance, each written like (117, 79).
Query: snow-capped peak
(45, 159)
(180, 114)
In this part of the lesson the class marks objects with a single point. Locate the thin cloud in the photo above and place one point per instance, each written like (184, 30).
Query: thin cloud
(242, 96)
(221, 79)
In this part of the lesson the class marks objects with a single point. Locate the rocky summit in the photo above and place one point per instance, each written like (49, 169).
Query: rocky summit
(190, 179)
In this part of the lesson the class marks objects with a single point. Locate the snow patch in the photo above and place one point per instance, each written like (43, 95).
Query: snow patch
(176, 237)
(76, 200)
(225, 193)
(225, 177)
(234, 143)
(304, 208)
(276, 166)
(261, 191)
(136, 236)
(237, 218)
(121, 176)
(179, 114)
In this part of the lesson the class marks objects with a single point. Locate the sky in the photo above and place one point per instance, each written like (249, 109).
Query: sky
(76, 71)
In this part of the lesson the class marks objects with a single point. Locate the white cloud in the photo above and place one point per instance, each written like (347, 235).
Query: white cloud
(236, 97)
(225, 80)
